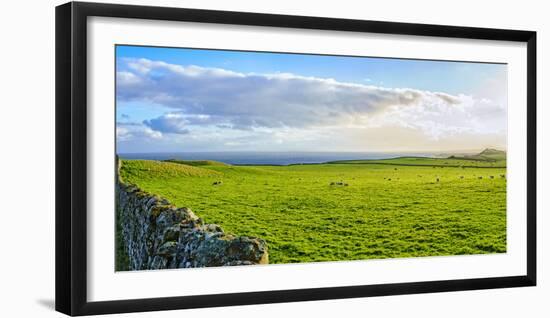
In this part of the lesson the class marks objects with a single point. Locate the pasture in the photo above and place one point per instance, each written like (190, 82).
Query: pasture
(349, 210)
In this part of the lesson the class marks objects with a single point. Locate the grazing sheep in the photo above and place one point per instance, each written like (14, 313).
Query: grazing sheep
(389, 179)
(480, 177)
(461, 177)
(492, 177)
(340, 183)
(503, 176)
(394, 168)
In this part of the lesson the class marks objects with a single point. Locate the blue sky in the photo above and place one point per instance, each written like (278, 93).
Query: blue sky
(177, 96)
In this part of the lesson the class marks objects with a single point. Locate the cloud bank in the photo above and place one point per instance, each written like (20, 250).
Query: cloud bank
(212, 100)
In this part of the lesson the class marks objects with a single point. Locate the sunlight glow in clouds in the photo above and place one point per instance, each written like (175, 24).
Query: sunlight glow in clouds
(214, 109)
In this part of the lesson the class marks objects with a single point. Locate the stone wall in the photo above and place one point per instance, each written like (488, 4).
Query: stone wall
(156, 235)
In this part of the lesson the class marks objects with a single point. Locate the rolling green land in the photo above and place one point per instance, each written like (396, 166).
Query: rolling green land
(403, 207)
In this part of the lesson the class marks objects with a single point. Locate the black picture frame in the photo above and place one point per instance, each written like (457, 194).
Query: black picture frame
(71, 157)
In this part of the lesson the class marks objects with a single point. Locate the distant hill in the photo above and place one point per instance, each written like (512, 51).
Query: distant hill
(197, 163)
(486, 155)
(487, 158)
(157, 169)
(494, 153)
(490, 151)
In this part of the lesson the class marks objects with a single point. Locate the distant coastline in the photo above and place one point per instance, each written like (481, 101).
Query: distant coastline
(276, 158)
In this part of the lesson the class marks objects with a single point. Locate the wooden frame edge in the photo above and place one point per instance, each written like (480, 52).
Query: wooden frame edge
(71, 154)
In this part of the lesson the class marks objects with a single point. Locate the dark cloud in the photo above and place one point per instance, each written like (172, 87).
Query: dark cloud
(173, 123)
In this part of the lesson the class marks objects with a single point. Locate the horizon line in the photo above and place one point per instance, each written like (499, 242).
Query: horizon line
(321, 151)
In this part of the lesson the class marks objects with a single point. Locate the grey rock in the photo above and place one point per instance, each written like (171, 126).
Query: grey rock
(158, 235)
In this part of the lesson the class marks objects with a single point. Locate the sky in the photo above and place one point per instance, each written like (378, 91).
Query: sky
(196, 100)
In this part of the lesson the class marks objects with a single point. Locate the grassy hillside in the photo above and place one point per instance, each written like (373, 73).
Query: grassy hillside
(490, 155)
(401, 207)
(488, 158)
(197, 162)
(140, 170)
(433, 162)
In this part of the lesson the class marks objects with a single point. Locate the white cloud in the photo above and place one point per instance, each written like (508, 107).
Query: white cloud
(294, 106)
(129, 131)
(127, 79)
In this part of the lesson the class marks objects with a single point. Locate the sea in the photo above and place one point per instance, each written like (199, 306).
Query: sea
(271, 158)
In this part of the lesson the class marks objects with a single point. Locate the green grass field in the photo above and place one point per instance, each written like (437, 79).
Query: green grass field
(404, 207)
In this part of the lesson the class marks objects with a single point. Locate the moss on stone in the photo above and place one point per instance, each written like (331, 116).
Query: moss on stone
(158, 209)
(151, 233)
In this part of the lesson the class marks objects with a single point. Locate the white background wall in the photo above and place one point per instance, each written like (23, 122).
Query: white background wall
(27, 158)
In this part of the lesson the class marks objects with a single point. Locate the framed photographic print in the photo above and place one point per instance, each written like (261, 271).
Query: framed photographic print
(212, 158)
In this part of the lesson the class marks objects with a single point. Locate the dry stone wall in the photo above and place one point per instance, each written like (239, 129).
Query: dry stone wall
(156, 235)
